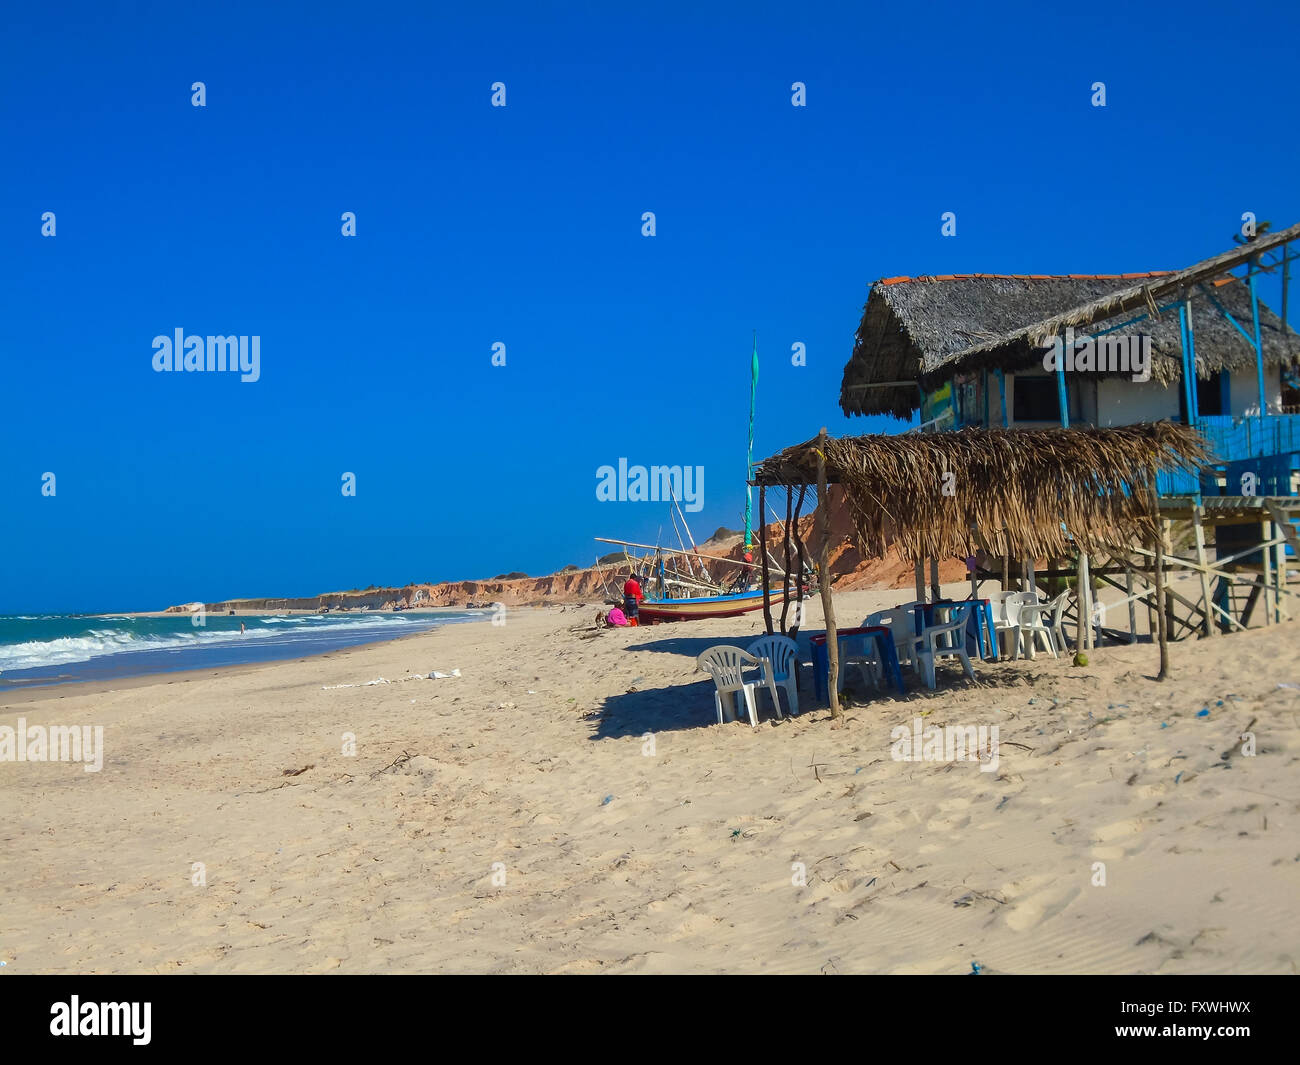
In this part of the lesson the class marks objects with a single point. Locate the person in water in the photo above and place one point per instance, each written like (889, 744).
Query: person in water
(632, 596)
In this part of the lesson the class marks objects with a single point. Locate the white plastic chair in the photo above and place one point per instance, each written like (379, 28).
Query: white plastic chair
(901, 622)
(726, 664)
(1006, 619)
(932, 644)
(1032, 623)
(780, 658)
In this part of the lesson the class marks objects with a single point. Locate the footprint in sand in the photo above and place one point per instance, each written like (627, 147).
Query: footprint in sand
(1116, 841)
(1033, 909)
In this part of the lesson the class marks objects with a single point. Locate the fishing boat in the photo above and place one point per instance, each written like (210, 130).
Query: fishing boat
(678, 586)
(707, 606)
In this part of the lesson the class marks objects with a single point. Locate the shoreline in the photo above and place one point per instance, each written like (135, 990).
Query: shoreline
(40, 690)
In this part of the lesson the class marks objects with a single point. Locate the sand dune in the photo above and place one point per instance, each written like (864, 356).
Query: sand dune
(680, 860)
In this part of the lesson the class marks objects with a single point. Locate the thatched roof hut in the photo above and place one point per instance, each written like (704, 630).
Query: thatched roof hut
(1030, 493)
(926, 329)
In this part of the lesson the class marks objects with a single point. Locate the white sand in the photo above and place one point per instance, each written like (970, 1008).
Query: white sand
(380, 863)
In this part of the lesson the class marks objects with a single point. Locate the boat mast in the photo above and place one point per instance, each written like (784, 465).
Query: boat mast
(749, 454)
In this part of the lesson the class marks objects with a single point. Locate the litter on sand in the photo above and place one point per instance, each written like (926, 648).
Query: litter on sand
(435, 675)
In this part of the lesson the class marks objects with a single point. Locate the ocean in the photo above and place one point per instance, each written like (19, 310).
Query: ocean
(44, 649)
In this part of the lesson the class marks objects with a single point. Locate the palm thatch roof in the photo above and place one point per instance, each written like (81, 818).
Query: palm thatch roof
(926, 329)
(1029, 493)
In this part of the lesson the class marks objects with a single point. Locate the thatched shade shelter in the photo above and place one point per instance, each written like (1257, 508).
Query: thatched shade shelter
(923, 330)
(1032, 493)
(1025, 492)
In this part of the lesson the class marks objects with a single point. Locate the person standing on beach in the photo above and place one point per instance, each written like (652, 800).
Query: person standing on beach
(631, 597)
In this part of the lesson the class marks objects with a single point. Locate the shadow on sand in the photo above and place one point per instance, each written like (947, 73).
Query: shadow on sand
(689, 704)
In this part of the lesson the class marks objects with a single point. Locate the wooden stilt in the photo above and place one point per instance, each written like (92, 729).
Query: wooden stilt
(1280, 571)
(1132, 607)
(1162, 630)
(1166, 545)
(1198, 528)
(828, 606)
(1266, 570)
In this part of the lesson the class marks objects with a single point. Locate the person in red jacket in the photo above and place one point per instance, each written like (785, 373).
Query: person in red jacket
(632, 596)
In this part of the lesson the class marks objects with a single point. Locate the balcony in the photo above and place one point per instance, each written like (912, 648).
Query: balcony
(1267, 447)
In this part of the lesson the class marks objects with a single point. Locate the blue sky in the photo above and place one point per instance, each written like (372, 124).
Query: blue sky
(522, 225)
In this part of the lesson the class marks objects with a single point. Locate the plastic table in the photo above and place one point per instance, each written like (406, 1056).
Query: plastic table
(884, 645)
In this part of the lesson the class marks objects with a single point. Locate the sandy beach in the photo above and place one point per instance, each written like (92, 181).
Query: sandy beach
(569, 804)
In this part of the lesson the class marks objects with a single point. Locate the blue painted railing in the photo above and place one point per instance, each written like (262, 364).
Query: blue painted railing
(1232, 440)
(1268, 447)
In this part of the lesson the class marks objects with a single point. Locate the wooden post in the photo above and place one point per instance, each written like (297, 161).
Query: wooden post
(1167, 545)
(828, 606)
(935, 592)
(1083, 622)
(1132, 606)
(785, 559)
(1085, 581)
(1266, 570)
(803, 557)
(1280, 571)
(1198, 528)
(920, 580)
(1163, 628)
(762, 547)
(1094, 617)
(1006, 573)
